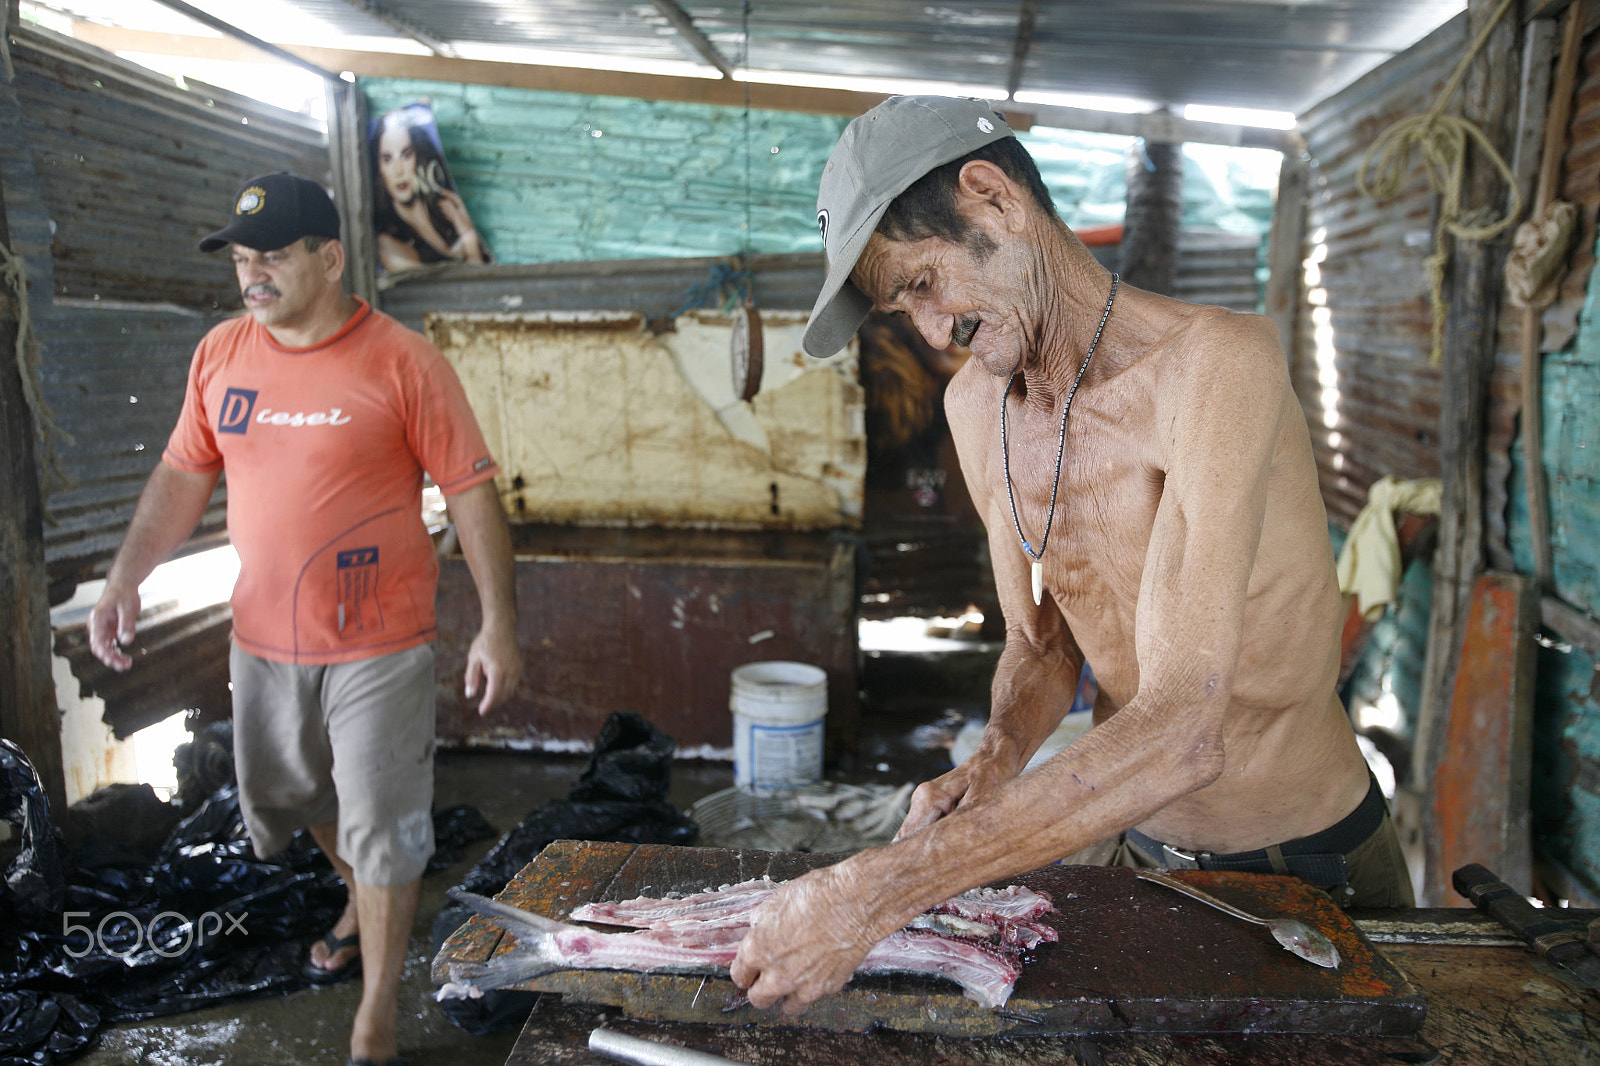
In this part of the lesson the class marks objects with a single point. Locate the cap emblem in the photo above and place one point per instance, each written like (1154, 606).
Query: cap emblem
(822, 224)
(985, 125)
(251, 200)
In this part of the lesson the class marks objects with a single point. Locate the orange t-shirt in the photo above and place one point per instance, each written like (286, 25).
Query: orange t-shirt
(324, 450)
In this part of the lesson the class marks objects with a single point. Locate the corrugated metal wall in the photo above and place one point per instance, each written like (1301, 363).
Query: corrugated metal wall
(1214, 267)
(552, 177)
(1361, 351)
(1360, 359)
(112, 174)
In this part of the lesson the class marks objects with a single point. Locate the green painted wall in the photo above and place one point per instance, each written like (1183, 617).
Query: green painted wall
(554, 177)
(1566, 769)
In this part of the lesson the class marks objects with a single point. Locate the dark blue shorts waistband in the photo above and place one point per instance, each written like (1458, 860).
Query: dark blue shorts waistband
(1340, 838)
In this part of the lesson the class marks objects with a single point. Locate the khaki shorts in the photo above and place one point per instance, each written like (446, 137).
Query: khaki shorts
(346, 742)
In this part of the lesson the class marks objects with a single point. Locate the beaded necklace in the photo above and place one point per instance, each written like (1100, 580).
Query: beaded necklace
(1061, 443)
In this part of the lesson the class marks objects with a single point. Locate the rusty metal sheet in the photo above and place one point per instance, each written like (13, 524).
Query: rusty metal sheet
(1133, 957)
(628, 629)
(597, 420)
(1480, 797)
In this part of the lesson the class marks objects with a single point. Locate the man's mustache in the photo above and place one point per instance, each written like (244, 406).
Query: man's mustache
(964, 330)
(262, 289)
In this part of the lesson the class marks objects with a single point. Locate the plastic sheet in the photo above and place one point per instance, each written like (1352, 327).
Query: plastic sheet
(34, 877)
(197, 921)
(622, 797)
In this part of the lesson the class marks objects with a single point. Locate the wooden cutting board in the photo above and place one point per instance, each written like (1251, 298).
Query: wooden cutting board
(1133, 956)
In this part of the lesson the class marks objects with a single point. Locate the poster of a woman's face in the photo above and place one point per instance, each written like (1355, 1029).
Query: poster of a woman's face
(417, 213)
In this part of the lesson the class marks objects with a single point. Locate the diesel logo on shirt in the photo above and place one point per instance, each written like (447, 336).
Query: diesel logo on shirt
(333, 417)
(236, 407)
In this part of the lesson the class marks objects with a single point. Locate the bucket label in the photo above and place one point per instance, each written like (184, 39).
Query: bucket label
(783, 756)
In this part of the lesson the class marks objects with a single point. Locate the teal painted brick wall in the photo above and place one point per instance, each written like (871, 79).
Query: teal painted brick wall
(556, 177)
(1566, 763)
(1566, 768)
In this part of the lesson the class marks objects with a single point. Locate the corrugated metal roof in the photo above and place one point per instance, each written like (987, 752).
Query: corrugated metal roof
(1237, 53)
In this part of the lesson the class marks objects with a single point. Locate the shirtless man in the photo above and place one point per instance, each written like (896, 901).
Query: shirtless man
(1187, 561)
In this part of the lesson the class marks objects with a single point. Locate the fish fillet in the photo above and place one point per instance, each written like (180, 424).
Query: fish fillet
(975, 939)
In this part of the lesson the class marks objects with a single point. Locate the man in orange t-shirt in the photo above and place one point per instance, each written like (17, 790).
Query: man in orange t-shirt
(326, 415)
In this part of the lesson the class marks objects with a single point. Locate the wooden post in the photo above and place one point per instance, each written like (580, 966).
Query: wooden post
(347, 155)
(1474, 286)
(28, 712)
(1154, 215)
(1286, 250)
(1558, 114)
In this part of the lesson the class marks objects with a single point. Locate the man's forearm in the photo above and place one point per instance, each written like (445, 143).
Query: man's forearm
(170, 507)
(486, 543)
(1032, 691)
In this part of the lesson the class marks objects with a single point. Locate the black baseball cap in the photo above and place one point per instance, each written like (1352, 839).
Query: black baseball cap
(273, 211)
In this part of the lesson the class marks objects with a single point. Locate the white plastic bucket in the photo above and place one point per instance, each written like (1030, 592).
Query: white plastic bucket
(778, 709)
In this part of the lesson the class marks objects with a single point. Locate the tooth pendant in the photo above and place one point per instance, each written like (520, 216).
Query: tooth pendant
(1038, 582)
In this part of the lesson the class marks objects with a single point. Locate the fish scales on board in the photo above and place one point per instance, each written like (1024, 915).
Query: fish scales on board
(975, 940)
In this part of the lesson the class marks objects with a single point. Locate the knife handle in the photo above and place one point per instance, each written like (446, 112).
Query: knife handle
(1511, 909)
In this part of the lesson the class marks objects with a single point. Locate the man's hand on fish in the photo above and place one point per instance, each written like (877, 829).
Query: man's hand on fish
(807, 940)
(994, 763)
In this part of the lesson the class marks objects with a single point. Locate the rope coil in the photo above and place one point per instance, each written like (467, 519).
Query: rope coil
(1443, 141)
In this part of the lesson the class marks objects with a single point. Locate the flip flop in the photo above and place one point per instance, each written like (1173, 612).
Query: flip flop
(319, 975)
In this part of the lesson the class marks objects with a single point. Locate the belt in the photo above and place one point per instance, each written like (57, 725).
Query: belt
(1318, 859)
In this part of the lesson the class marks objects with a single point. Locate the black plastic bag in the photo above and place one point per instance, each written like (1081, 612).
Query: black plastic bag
(198, 920)
(622, 796)
(35, 878)
(43, 1028)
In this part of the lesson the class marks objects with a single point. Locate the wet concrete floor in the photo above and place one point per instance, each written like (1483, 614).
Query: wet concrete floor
(911, 706)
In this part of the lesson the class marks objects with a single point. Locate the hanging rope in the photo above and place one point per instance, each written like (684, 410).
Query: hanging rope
(744, 62)
(727, 286)
(14, 276)
(1443, 141)
(731, 283)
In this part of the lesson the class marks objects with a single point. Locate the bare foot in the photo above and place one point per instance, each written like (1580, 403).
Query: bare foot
(373, 1036)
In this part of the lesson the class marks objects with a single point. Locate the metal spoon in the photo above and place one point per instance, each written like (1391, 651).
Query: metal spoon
(1292, 933)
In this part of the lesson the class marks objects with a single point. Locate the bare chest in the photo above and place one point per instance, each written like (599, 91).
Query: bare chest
(1099, 511)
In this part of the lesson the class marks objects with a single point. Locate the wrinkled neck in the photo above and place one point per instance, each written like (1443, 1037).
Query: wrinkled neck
(1072, 289)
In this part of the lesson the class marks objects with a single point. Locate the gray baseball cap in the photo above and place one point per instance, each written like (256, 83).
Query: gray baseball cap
(879, 156)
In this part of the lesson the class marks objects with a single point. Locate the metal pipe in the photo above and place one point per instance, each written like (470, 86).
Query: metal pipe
(632, 1049)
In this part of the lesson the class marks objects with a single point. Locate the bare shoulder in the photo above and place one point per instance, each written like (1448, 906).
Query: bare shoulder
(969, 400)
(1210, 355)
(1213, 340)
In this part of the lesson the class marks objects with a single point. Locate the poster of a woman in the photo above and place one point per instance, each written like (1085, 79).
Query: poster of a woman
(417, 212)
